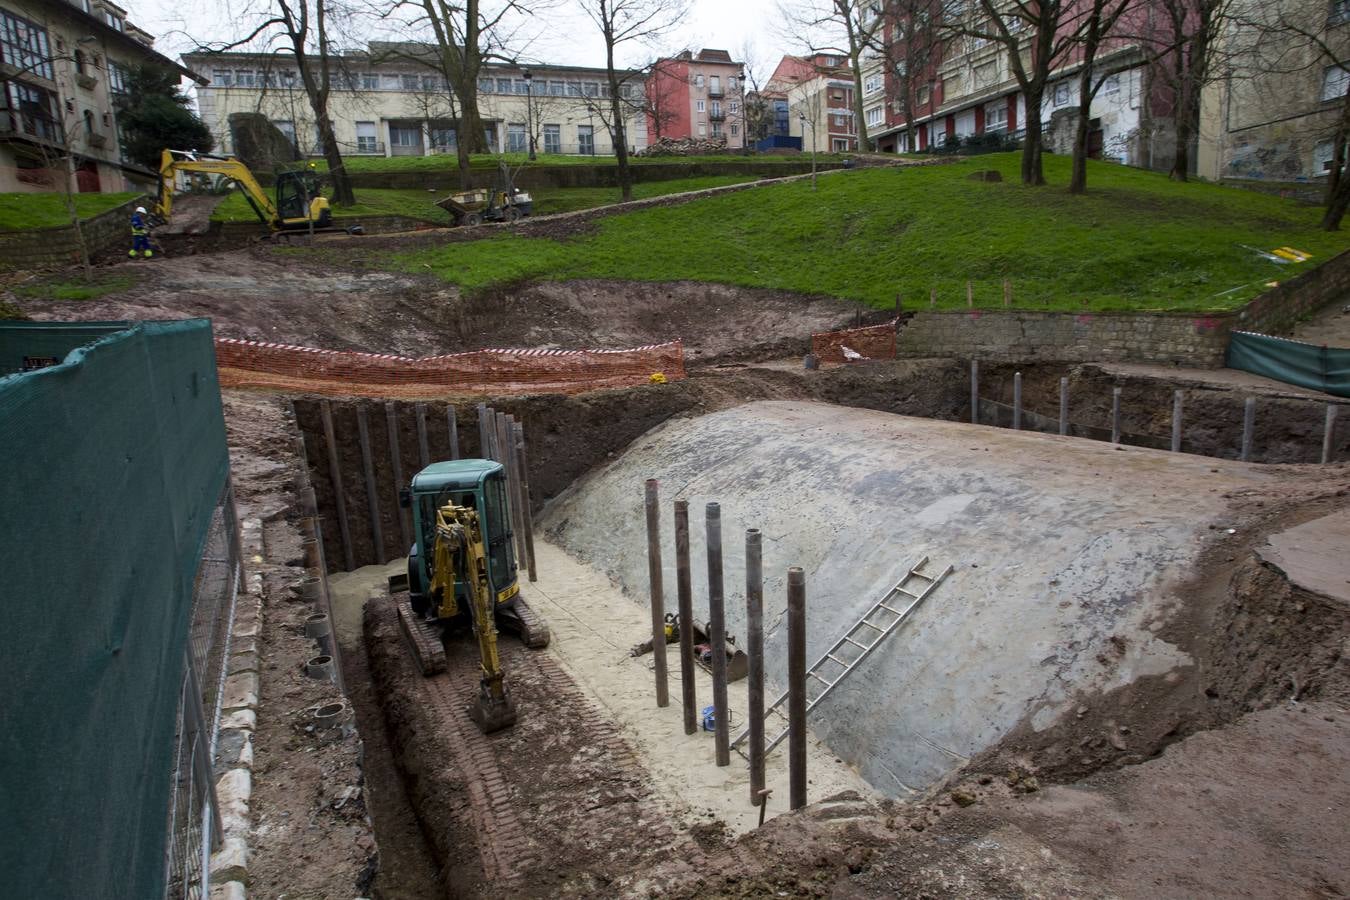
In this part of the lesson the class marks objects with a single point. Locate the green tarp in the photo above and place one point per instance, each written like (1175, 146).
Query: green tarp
(1306, 365)
(113, 461)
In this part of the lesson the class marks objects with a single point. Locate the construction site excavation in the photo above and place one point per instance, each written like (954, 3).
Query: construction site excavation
(596, 587)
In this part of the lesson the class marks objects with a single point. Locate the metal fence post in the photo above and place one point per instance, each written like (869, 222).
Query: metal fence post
(717, 634)
(652, 505)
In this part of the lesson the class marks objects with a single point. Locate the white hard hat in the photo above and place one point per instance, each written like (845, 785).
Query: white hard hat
(140, 209)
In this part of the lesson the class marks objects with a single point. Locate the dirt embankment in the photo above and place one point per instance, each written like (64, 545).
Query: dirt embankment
(265, 295)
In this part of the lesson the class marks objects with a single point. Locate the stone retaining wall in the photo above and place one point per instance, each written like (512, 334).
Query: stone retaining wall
(58, 247)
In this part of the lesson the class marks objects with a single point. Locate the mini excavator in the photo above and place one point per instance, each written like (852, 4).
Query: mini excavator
(299, 204)
(462, 570)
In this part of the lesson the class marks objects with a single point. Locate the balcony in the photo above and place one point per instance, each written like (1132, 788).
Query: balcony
(88, 82)
(717, 117)
(716, 92)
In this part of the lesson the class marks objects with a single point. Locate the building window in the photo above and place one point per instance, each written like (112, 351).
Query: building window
(520, 86)
(1061, 94)
(698, 81)
(367, 138)
(1111, 85)
(444, 138)
(1340, 12)
(875, 115)
(717, 129)
(700, 106)
(840, 145)
(24, 46)
(731, 82)
(553, 139)
(370, 82)
(872, 84)
(33, 110)
(574, 89)
(221, 77)
(244, 78)
(702, 130)
(735, 130)
(586, 140)
(717, 109)
(715, 84)
(557, 88)
(925, 94)
(591, 89)
(119, 78)
(1335, 82)
(114, 20)
(515, 137)
(985, 74)
(402, 136)
(1323, 155)
(504, 85)
(996, 116)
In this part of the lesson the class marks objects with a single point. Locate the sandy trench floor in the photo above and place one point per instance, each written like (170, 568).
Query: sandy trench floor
(594, 626)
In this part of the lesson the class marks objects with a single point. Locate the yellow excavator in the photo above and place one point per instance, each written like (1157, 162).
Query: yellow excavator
(299, 202)
(461, 567)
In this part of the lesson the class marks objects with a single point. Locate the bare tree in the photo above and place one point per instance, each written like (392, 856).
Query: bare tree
(910, 48)
(846, 28)
(1046, 28)
(1268, 43)
(662, 104)
(466, 34)
(623, 22)
(1100, 21)
(755, 114)
(308, 31)
(1182, 41)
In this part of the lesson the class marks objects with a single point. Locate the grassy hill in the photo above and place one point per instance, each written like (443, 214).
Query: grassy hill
(20, 212)
(1136, 241)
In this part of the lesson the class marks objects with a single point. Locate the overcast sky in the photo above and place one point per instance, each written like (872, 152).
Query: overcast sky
(567, 38)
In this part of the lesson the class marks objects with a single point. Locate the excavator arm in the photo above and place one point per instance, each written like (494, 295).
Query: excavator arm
(172, 162)
(460, 558)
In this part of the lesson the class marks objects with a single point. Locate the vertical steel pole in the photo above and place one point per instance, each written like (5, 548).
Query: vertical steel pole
(974, 392)
(422, 446)
(372, 495)
(1248, 428)
(653, 509)
(684, 589)
(452, 423)
(527, 513)
(754, 648)
(1017, 401)
(796, 615)
(1115, 415)
(1328, 433)
(335, 475)
(717, 634)
(1063, 406)
(396, 464)
(1176, 421)
(504, 456)
(483, 431)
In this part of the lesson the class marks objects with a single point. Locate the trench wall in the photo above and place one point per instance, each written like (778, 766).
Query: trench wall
(871, 341)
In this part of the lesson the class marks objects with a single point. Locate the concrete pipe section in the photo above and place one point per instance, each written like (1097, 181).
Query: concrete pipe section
(1066, 552)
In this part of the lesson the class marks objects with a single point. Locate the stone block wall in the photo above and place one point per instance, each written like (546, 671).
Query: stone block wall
(1026, 335)
(58, 247)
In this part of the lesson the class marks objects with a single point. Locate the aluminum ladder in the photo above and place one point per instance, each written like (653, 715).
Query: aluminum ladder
(860, 640)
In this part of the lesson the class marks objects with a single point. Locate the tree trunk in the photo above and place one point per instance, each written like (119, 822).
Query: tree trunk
(1331, 219)
(1078, 180)
(1032, 171)
(616, 130)
(343, 195)
(864, 142)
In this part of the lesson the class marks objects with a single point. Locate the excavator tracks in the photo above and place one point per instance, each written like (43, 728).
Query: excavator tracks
(527, 623)
(422, 637)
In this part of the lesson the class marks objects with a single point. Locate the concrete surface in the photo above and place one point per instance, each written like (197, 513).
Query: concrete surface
(1313, 555)
(1058, 544)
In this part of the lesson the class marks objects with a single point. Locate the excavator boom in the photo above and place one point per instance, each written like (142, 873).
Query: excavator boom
(173, 162)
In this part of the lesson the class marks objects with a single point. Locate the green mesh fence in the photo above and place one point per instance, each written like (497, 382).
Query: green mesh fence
(114, 461)
(1306, 365)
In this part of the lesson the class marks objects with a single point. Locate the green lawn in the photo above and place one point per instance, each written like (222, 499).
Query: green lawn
(20, 212)
(421, 204)
(70, 289)
(1135, 241)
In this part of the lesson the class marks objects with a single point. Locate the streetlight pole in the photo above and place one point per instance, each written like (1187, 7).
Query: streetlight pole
(529, 109)
(801, 117)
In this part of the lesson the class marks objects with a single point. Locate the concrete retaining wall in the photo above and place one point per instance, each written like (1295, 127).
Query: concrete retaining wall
(57, 248)
(533, 177)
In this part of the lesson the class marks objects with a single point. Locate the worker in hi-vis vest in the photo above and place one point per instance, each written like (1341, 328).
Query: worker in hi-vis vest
(140, 234)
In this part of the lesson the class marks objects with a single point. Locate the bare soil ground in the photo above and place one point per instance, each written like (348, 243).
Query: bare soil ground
(267, 295)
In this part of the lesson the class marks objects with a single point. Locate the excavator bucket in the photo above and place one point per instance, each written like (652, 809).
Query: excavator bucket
(492, 713)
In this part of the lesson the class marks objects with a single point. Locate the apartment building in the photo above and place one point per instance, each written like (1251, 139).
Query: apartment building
(697, 95)
(387, 103)
(1274, 112)
(963, 87)
(817, 92)
(62, 67)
